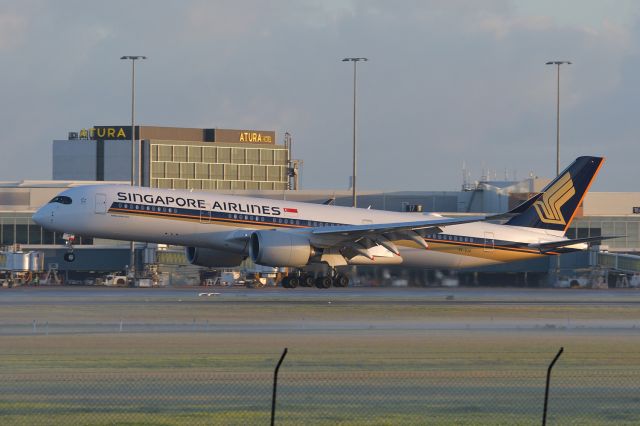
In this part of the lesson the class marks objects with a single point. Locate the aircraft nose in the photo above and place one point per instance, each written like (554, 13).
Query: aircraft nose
(40, 216)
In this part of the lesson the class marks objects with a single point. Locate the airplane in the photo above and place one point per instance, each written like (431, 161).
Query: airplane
(222, 230)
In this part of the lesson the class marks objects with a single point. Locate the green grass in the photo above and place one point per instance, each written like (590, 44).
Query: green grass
(370, 377)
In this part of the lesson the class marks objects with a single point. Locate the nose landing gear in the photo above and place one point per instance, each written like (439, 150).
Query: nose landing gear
(69, 239)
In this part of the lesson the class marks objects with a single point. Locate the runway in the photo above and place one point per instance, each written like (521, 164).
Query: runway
(65, 310)
(73, 295)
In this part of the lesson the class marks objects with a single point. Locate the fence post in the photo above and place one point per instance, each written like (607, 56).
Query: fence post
(546, 390)
(275, 386)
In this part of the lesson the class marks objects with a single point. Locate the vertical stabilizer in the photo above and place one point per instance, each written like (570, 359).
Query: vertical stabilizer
(555, 207)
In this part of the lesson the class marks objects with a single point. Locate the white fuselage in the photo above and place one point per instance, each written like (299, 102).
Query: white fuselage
(210, 220)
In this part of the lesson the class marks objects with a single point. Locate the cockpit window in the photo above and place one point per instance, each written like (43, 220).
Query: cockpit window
(61, 199)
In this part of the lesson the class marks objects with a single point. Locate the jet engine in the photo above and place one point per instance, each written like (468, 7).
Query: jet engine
(277, 248)
(212, 258)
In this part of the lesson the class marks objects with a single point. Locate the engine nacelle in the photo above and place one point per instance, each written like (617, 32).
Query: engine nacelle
(277, 248)
(212, 258)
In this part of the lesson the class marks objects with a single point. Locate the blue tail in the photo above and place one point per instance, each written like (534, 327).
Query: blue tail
(555, 207)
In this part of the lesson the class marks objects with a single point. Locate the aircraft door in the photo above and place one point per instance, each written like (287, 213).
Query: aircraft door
(101, 203)
(489, 242)
(205, 215)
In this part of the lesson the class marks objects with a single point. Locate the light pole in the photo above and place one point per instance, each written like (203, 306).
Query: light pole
(353, 178)
(133, 59)
(558, 63)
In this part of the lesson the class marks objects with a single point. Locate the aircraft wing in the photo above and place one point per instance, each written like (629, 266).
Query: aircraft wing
(362, 237)
(550, 246)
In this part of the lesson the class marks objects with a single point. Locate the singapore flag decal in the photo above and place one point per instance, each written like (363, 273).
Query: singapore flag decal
(290, 210)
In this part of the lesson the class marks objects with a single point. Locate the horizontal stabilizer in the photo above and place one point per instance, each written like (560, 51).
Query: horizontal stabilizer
(550, 246)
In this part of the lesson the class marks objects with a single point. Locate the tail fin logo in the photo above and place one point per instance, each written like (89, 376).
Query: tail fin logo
(548, 207)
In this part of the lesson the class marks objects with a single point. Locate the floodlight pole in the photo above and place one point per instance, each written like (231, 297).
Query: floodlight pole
(353, 177)
(133, 59)
(558, 63)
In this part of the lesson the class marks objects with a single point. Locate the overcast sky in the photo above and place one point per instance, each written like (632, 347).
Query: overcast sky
(447, 82)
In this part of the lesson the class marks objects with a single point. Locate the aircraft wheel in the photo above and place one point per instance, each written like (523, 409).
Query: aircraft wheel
(285, 282)
(341, 280)
(293, 282)
(324, 282)
(307, 280)
(69, 257)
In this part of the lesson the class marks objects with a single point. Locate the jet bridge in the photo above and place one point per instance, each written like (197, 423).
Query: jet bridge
(625, 263)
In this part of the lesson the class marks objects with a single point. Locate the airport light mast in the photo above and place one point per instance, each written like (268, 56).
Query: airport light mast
(353, 178)
(558, 63)
(133, 59)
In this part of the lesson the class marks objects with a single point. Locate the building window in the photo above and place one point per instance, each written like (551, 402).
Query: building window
(48, 237)
(230, 172)
(180, 183)
(216, 171)
(195, 184)
(165, 153)
(172, 170)
(35, 234)
(22, 234)
(224, 155)
(180, 153)
(238, 156)
(209, 154)
(273, 173)
(8, 231)
(195, 154)
(253, 156)
(187, 171)
(259, 173)
(244, 172)
(266, 156)
(157, 169)
(266, 186)
(202, 171)
(280, 157)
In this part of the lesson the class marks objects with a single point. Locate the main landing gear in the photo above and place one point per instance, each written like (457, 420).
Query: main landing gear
(69, 239)
(321, 281)
(302, 280)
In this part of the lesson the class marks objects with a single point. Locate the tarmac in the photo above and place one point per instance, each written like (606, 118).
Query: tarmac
(79, 295)
(303, 310)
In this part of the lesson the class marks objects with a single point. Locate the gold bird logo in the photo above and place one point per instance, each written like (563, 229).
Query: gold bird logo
(548, 207)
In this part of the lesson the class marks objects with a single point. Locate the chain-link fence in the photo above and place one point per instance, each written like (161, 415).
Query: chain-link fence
(460, 396)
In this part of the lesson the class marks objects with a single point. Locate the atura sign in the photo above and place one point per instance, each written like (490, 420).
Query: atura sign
(106, 132)
(245, 136)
